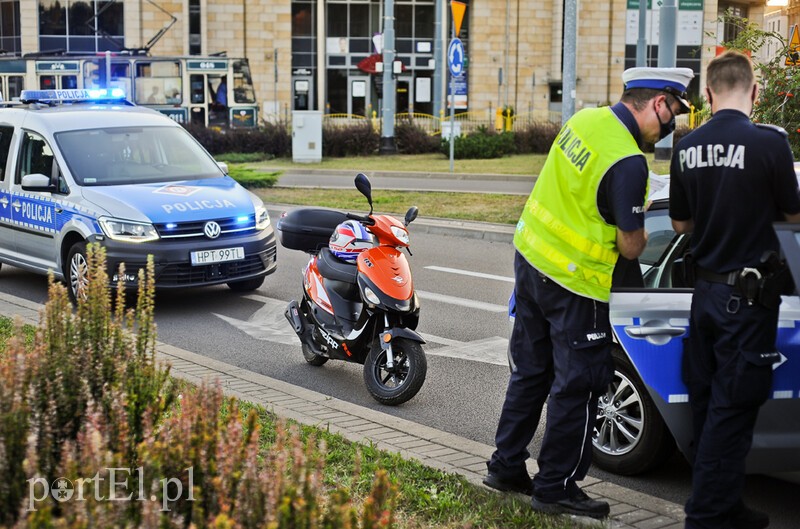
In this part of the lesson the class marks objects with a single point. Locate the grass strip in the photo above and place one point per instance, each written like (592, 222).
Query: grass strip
(496, 208)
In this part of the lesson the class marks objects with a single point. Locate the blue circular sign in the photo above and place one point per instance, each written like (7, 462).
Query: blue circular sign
(455, 57)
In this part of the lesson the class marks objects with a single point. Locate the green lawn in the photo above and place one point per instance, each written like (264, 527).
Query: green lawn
(518, 164)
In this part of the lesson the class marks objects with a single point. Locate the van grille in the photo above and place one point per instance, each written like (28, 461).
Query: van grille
(229, 226)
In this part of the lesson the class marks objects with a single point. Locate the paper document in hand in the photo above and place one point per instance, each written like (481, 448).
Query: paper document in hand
(658, 182)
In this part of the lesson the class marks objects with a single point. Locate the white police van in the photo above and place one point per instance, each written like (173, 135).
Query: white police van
(86, 166)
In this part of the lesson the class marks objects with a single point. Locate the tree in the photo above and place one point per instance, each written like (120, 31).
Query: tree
(779, 88)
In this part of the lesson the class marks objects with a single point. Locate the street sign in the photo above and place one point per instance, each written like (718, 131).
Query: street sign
(458, 9)
(793, 57)
(455, 57)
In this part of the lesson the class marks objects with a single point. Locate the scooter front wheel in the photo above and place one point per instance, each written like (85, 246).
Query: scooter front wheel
(398, 384)
(313, 358)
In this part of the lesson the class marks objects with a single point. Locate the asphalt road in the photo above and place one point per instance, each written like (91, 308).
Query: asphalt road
(464, 285)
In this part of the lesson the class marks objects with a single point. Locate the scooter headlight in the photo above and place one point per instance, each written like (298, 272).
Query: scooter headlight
(370, 296)
(401, 234)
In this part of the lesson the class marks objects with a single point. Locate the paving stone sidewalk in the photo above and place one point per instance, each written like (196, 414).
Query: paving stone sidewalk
(435, 448)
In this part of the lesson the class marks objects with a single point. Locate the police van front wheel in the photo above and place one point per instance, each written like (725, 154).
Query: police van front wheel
(246, 285)
(77, 272)
(630, 437)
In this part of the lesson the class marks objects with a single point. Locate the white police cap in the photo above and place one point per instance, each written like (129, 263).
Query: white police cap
(670, 80)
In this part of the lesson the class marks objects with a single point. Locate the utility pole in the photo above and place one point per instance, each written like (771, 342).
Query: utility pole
(438, 58)
(667, 51)
(641, 43)
(569, 79)
(388, 145)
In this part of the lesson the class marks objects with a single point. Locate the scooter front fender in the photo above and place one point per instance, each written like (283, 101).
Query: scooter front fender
(403, 332)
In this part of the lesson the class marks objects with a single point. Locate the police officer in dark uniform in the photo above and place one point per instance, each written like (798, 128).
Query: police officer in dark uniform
(586, 209)
(730, 180)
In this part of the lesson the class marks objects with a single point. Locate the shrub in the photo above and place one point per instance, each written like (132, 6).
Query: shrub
(412, 139)
(350, 140)
(536, 137)
(252, 178)
(480, 145)
(270, 139)
(87, 398)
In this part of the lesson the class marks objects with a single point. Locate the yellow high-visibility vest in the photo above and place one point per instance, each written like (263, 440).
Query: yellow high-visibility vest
(561, 232)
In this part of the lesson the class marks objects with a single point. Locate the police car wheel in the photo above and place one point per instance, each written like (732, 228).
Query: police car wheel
(630, 437)
(246, 285)
(77, 272)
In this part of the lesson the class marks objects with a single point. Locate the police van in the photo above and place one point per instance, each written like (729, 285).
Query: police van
(85, 166)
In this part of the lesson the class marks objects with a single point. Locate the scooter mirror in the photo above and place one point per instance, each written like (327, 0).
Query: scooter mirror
(363, 185)
(411, 214)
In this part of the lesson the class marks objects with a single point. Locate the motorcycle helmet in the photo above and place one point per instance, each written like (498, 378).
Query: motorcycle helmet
(349, 239)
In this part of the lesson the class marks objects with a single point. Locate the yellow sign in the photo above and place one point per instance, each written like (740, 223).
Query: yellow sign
(458, 8)
(793, 57)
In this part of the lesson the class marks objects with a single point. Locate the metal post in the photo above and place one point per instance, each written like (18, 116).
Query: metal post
(387, 130)
(452, 105)
(641, 43)
(438, 58)
(108, 71)
(275, 87)
(570, 66)
(667, 52)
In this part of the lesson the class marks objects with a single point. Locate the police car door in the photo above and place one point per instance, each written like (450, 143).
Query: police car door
(7, 238)
(650, 323)
(35, 211)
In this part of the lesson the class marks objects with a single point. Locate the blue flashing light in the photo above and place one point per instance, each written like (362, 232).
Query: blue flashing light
(243, 219)
(171, 225)
(69, 96)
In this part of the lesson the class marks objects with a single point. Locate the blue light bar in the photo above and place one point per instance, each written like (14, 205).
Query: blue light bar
(68, 96)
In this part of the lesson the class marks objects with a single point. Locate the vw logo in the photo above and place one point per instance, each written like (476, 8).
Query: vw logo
(211, 229)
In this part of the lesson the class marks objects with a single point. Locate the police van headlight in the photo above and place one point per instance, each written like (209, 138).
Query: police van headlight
(262, 218)
(127, 231)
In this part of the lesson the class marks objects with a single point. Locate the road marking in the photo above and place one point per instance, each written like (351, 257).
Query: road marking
(492, 350)
(269, 324)
(470, 273)
(469, 303)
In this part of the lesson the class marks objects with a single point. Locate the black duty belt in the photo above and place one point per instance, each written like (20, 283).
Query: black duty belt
(729, 278)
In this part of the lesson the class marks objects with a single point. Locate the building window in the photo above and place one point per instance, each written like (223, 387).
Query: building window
(195, 25)
(10, 41)
(81, 26)
(733, 15)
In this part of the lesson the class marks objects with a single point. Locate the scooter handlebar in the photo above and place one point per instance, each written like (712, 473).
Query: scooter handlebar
(366, 219)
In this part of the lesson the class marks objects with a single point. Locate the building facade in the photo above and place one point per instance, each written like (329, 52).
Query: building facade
(305, 54)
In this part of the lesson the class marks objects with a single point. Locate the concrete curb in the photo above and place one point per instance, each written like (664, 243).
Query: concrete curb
(430, 446)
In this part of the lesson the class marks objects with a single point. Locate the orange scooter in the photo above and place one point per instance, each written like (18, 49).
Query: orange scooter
(358, 302)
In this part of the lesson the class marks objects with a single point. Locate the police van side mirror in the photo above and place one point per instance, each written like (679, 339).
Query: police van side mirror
(223, 166)
(37, 182)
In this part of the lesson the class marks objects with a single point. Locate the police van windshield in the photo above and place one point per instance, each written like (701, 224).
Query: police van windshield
(134, 155)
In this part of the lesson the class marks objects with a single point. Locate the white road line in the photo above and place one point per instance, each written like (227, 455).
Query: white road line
(492, 350)
(470, 273)
(452, 300)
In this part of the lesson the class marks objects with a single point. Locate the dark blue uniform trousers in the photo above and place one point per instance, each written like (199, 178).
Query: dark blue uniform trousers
(560, 347)
(727, 367)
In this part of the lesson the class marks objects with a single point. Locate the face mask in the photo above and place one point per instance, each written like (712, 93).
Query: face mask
(666, 128)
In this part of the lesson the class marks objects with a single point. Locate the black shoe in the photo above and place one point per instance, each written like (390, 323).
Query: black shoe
(520, 484)
(580, 504)
(743, 517)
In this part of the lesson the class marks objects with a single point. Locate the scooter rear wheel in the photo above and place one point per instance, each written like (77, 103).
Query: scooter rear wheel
(313, 358)
(400, 383)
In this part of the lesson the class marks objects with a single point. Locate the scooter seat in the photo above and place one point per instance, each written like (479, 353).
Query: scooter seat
(332, 267)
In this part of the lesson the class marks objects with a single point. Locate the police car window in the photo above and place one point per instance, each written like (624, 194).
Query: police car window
(134, 155)
(5, 143)
(654, 260)
(36, 156)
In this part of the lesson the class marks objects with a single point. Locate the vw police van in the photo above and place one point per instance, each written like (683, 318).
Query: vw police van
(85, 166)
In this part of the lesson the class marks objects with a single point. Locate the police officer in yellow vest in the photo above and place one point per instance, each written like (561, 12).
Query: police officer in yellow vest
(586, 209)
